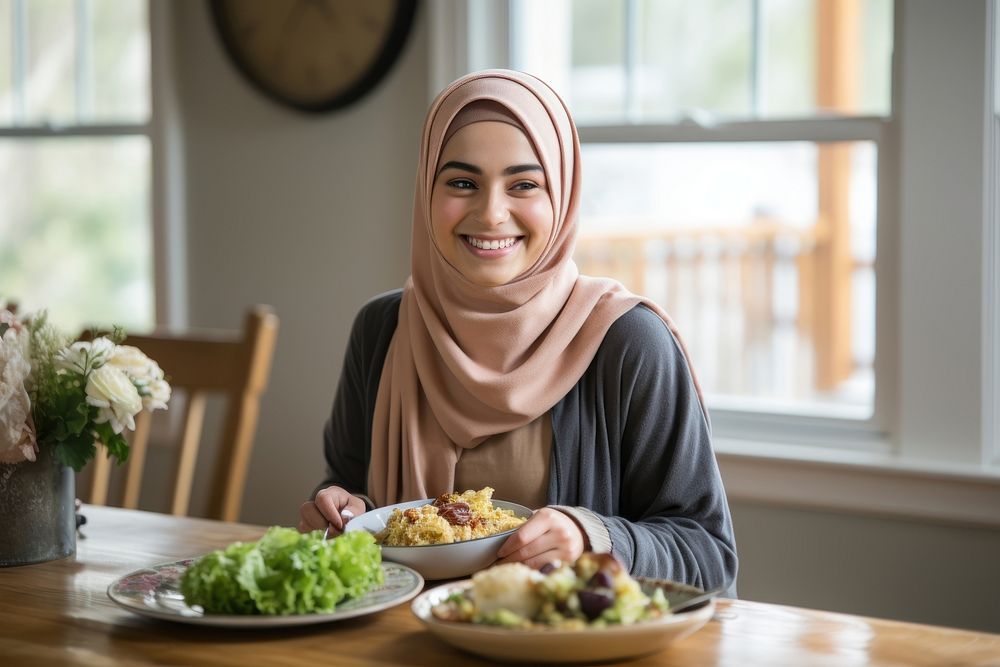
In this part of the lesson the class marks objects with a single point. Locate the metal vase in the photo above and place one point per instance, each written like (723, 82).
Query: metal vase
(37, 512)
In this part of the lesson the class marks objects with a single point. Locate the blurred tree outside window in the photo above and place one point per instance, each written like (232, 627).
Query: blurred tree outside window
(75, 221)
(731, 172)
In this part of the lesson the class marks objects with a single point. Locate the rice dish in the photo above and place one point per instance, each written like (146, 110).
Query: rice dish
(452, 517)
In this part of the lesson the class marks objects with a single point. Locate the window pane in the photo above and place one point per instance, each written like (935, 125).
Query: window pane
(772, 285)
(75, 239)
(693, 57)
(118, 75)
(704, 58)
(6, 62)
(51, 60)
(874, 65)
(578, 47)
(788, 53)
(86, 61)
(597, 58)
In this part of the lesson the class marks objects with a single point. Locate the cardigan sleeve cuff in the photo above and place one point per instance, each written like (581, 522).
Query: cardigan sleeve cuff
(597, 534)
(369, 503)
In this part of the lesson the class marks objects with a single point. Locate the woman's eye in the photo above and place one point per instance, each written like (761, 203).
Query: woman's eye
(461, 184)
(524, 185)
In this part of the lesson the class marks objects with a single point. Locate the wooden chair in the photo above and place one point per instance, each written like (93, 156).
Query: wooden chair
(233, 364)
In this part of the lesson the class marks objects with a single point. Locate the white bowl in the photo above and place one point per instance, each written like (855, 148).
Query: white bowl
(438, 561)
(536, 646)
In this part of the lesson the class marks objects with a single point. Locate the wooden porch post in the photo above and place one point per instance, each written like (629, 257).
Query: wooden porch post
(837, 44)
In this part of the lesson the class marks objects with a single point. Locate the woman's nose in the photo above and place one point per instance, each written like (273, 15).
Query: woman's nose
(495, 209)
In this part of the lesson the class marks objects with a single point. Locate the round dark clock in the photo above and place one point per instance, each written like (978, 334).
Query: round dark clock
(314, 55)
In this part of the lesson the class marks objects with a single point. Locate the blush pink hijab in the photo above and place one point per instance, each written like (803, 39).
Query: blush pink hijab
(466, 361)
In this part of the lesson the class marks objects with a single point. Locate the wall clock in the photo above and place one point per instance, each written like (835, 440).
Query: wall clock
(313, 55)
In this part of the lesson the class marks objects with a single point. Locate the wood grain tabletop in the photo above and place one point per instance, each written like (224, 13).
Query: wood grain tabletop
(58, 613)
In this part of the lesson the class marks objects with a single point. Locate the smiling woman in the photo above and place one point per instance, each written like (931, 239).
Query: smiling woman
(499, 365)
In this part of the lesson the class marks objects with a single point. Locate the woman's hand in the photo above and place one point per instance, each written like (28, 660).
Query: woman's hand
(330, 508)
(549, 535)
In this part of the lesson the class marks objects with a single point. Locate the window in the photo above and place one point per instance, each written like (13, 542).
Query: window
(75, 160)
(914, 156)
(779, 104)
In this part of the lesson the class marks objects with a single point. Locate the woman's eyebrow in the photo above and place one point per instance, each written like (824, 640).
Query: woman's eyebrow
(518, 168)
(464, 166)
(473, 169)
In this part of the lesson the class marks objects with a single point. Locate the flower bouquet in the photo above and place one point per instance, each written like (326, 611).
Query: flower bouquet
(59, 401)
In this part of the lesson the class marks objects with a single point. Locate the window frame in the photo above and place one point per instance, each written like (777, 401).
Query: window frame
(932, 447)
(166, 183)
(991, 248)
(871, 432)
(168, 192)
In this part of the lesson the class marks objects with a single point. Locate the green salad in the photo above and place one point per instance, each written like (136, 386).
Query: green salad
(284, 572)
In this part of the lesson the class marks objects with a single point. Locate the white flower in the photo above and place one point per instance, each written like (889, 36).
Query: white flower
(17, 431)
(137, 365)
(110, 390)
(146, 375)
(155, 395)
(83, 357)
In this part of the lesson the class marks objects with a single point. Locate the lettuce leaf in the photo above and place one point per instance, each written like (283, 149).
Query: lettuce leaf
(285, 572)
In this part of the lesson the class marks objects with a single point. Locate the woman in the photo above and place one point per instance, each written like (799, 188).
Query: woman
(499, 365)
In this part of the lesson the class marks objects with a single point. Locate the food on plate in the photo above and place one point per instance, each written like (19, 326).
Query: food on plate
(284, 572)
(595, 591)
(452, 517)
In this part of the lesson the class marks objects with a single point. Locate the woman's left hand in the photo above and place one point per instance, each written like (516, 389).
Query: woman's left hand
(549, 535)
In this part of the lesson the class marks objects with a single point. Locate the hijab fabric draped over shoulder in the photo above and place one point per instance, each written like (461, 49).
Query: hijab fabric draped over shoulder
(469, 361)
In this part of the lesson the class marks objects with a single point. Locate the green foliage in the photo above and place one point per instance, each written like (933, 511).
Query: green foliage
(74, 451)
(115, 442)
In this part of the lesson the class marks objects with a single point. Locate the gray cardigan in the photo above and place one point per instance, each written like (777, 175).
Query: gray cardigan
(630, 443)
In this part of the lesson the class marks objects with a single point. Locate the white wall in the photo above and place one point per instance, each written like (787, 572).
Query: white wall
(307, 213)
(311, 215)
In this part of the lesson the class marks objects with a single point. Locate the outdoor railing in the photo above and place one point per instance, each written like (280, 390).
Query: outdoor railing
(745, 298)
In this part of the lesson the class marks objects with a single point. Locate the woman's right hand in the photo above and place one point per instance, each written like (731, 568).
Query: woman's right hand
(328, 509)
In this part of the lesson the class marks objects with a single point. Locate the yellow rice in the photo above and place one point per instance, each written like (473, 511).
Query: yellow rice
(423, 525)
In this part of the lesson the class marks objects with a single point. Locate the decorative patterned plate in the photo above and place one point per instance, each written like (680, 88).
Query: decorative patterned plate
(155, 592)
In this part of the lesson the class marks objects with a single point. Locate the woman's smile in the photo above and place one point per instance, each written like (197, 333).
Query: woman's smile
(491, 247)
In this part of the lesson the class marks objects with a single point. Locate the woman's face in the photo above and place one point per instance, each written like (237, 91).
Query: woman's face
(491, 215)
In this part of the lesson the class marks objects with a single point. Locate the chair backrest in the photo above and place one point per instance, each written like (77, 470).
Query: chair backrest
(233, 364)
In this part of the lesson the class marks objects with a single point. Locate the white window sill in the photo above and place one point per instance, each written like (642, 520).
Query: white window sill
(859, 482)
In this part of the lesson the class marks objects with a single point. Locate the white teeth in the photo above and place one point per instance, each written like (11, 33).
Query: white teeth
(491, 245)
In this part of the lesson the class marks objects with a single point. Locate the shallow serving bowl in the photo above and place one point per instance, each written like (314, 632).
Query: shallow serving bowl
(438, 561)
(545, 645)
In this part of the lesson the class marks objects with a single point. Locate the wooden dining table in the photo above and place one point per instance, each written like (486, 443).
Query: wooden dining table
(59, 613)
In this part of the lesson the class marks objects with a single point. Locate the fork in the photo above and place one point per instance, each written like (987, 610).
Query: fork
(347, 515)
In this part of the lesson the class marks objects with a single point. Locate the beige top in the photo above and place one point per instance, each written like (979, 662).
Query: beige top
(515, 464)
